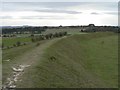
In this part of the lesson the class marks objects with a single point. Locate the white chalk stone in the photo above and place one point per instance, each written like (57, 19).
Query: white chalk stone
(17, 70)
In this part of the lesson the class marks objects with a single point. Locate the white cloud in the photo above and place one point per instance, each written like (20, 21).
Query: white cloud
(59, 14)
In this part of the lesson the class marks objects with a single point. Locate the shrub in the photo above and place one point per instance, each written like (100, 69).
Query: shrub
(32, 35)
(24, 43)
(14, 45)
(8, 47)
(33, 40)
(37, 44)
(18, 43)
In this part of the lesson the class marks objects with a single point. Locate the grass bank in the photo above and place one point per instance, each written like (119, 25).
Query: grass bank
(82, 61)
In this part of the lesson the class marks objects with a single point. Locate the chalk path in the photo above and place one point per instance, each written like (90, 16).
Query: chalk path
(27, 60)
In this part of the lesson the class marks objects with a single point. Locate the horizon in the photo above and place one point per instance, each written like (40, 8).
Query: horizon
(53, 25)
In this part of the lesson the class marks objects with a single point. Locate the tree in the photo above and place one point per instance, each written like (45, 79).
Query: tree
(32, 35)
(82, 30)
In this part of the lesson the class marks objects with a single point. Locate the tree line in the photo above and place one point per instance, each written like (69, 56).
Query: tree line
(36, 39)
(23, 30)
(102, 29)
(47, 36)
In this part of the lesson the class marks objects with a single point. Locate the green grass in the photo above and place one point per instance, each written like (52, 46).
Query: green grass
(26, 35)
(102, 58)
(81, 61)
(11, 41)
(13, 54)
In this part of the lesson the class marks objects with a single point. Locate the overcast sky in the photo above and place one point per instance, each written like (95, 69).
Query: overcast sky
(59, 13)
(59, 0)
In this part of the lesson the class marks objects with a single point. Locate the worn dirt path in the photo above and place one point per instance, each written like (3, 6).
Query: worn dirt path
(27, 60)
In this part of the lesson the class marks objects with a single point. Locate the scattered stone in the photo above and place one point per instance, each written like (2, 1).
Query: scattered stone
(11, 82)
(17, 70)
(7, 60)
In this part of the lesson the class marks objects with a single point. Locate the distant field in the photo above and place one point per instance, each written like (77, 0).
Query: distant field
(25, 35)
(13, 40)
(69, 30)
(81, 61)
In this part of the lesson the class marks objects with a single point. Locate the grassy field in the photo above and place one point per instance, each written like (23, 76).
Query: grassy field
(68, 30)
(11, 41)
(83, 61)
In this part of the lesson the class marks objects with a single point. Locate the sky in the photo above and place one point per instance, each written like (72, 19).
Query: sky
(59, 0)
(58, 13)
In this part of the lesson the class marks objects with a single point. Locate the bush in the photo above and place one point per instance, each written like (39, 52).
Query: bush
(37, 44)
(18, 43)
(14, 45)
(24, 43)
(8, 47)
(33, 40)
(32, 35)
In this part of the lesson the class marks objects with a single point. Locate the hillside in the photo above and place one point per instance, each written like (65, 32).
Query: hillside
(83, 61)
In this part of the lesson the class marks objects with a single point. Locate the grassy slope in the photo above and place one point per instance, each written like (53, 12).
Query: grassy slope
(81, 61)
